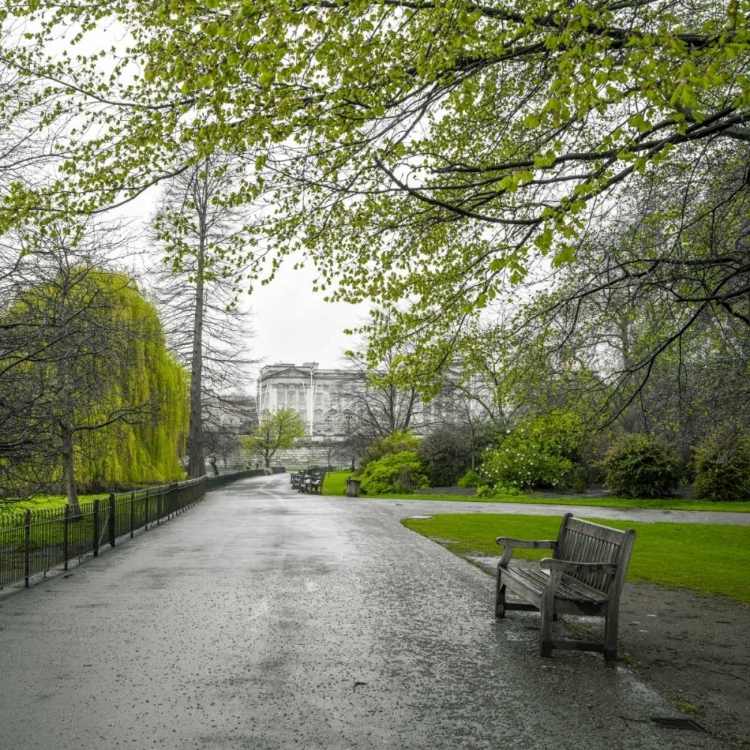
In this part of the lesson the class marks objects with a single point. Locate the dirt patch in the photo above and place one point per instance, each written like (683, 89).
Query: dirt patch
(694, 649)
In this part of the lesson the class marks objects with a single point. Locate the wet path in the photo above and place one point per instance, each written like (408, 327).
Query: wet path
(264, 619)
(407, 506)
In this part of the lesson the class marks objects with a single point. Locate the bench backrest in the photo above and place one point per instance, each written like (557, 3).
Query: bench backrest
(584, 541)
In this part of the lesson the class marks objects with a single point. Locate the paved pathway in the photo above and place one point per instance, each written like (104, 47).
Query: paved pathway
(263, 619)
(409, 507)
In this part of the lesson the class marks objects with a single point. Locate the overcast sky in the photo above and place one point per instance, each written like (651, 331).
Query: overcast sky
(294, 324)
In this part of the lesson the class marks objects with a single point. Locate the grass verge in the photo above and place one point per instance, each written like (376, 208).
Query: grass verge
(707, 558)
(335, 484)
(43, 501)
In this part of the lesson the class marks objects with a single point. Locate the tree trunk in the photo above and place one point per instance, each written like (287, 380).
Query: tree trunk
(196, 464)
(69, 469)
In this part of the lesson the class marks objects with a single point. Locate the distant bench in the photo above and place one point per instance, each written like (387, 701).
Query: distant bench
(311, 481)
(584, 576)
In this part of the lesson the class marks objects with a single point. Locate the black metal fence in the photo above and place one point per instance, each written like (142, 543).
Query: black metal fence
(34, 541)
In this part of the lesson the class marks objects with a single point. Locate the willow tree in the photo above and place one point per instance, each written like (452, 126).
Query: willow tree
(414, 150)
(107, 400)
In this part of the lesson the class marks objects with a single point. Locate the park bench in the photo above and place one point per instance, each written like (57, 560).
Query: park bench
(584, 576)
(312, 481)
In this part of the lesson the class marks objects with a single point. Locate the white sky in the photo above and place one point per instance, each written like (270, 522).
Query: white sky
(294, 324)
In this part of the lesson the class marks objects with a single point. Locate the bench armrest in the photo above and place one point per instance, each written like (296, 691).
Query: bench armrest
(510, 544)
(570, 566)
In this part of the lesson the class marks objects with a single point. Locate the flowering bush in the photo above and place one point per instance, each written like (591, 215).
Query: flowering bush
(400, 472)
(523, 461)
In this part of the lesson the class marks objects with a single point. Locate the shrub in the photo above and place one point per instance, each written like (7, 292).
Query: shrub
(523, 462)
(561, 433)
(639, 466)
(471, 479)
(500, 490)
(722, 468)
(398, 442)
(446, 453)
(400, 472)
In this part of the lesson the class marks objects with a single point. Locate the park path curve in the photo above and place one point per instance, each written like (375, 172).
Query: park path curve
(263, 619)
(410, 506)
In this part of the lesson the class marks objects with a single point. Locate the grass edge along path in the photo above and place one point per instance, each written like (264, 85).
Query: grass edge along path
(706, 558)
(335, 485)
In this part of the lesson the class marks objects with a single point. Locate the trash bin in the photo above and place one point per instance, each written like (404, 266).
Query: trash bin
(352, 487)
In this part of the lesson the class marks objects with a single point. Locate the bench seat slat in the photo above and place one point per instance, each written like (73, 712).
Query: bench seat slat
(537, 579)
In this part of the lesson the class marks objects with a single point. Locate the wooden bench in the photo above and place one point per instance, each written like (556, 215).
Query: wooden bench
(584, 576)
(312, 481)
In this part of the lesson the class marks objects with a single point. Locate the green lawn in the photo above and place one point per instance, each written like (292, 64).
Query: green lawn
(710, 559)
(335, 484)
(42, 501)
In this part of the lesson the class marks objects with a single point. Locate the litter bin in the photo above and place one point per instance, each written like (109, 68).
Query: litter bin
(352, 487)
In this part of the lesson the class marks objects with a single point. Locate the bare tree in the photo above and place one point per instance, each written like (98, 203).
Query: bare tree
(203, 238)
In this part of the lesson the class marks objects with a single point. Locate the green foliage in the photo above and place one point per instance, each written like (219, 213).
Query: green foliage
(109, 379)
(540, 452)
(335, 483)
(562, 433)
(397, 472)
(498, 491)
(398, 442)
(446, 452)
(639, 466)
(471, 479)
(144, 449)
(278, 430)
(524, 462)
(722, 468)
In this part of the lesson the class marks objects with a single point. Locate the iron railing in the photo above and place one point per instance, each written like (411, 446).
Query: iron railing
(35, 541)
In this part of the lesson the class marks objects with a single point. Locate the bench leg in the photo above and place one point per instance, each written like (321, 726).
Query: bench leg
(545, 629)
(610, 636)
(499, 594)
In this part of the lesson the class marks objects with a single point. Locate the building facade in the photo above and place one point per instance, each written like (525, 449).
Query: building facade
(319, 396)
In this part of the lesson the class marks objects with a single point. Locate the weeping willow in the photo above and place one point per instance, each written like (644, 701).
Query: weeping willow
(111, 400)
(146, 447)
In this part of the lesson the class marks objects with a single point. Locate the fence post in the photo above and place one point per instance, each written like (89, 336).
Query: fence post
(27, 549)
(112, 528)
(132, 514)
(145, 512)
(66, 532)
(96, 528)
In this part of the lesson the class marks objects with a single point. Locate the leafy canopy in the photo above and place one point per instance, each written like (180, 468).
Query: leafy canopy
(415, 151)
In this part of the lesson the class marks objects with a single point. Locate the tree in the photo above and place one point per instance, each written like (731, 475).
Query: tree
(277, 431)
(424, 152)
(202, 238)
(375, 404)
(103, 399)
